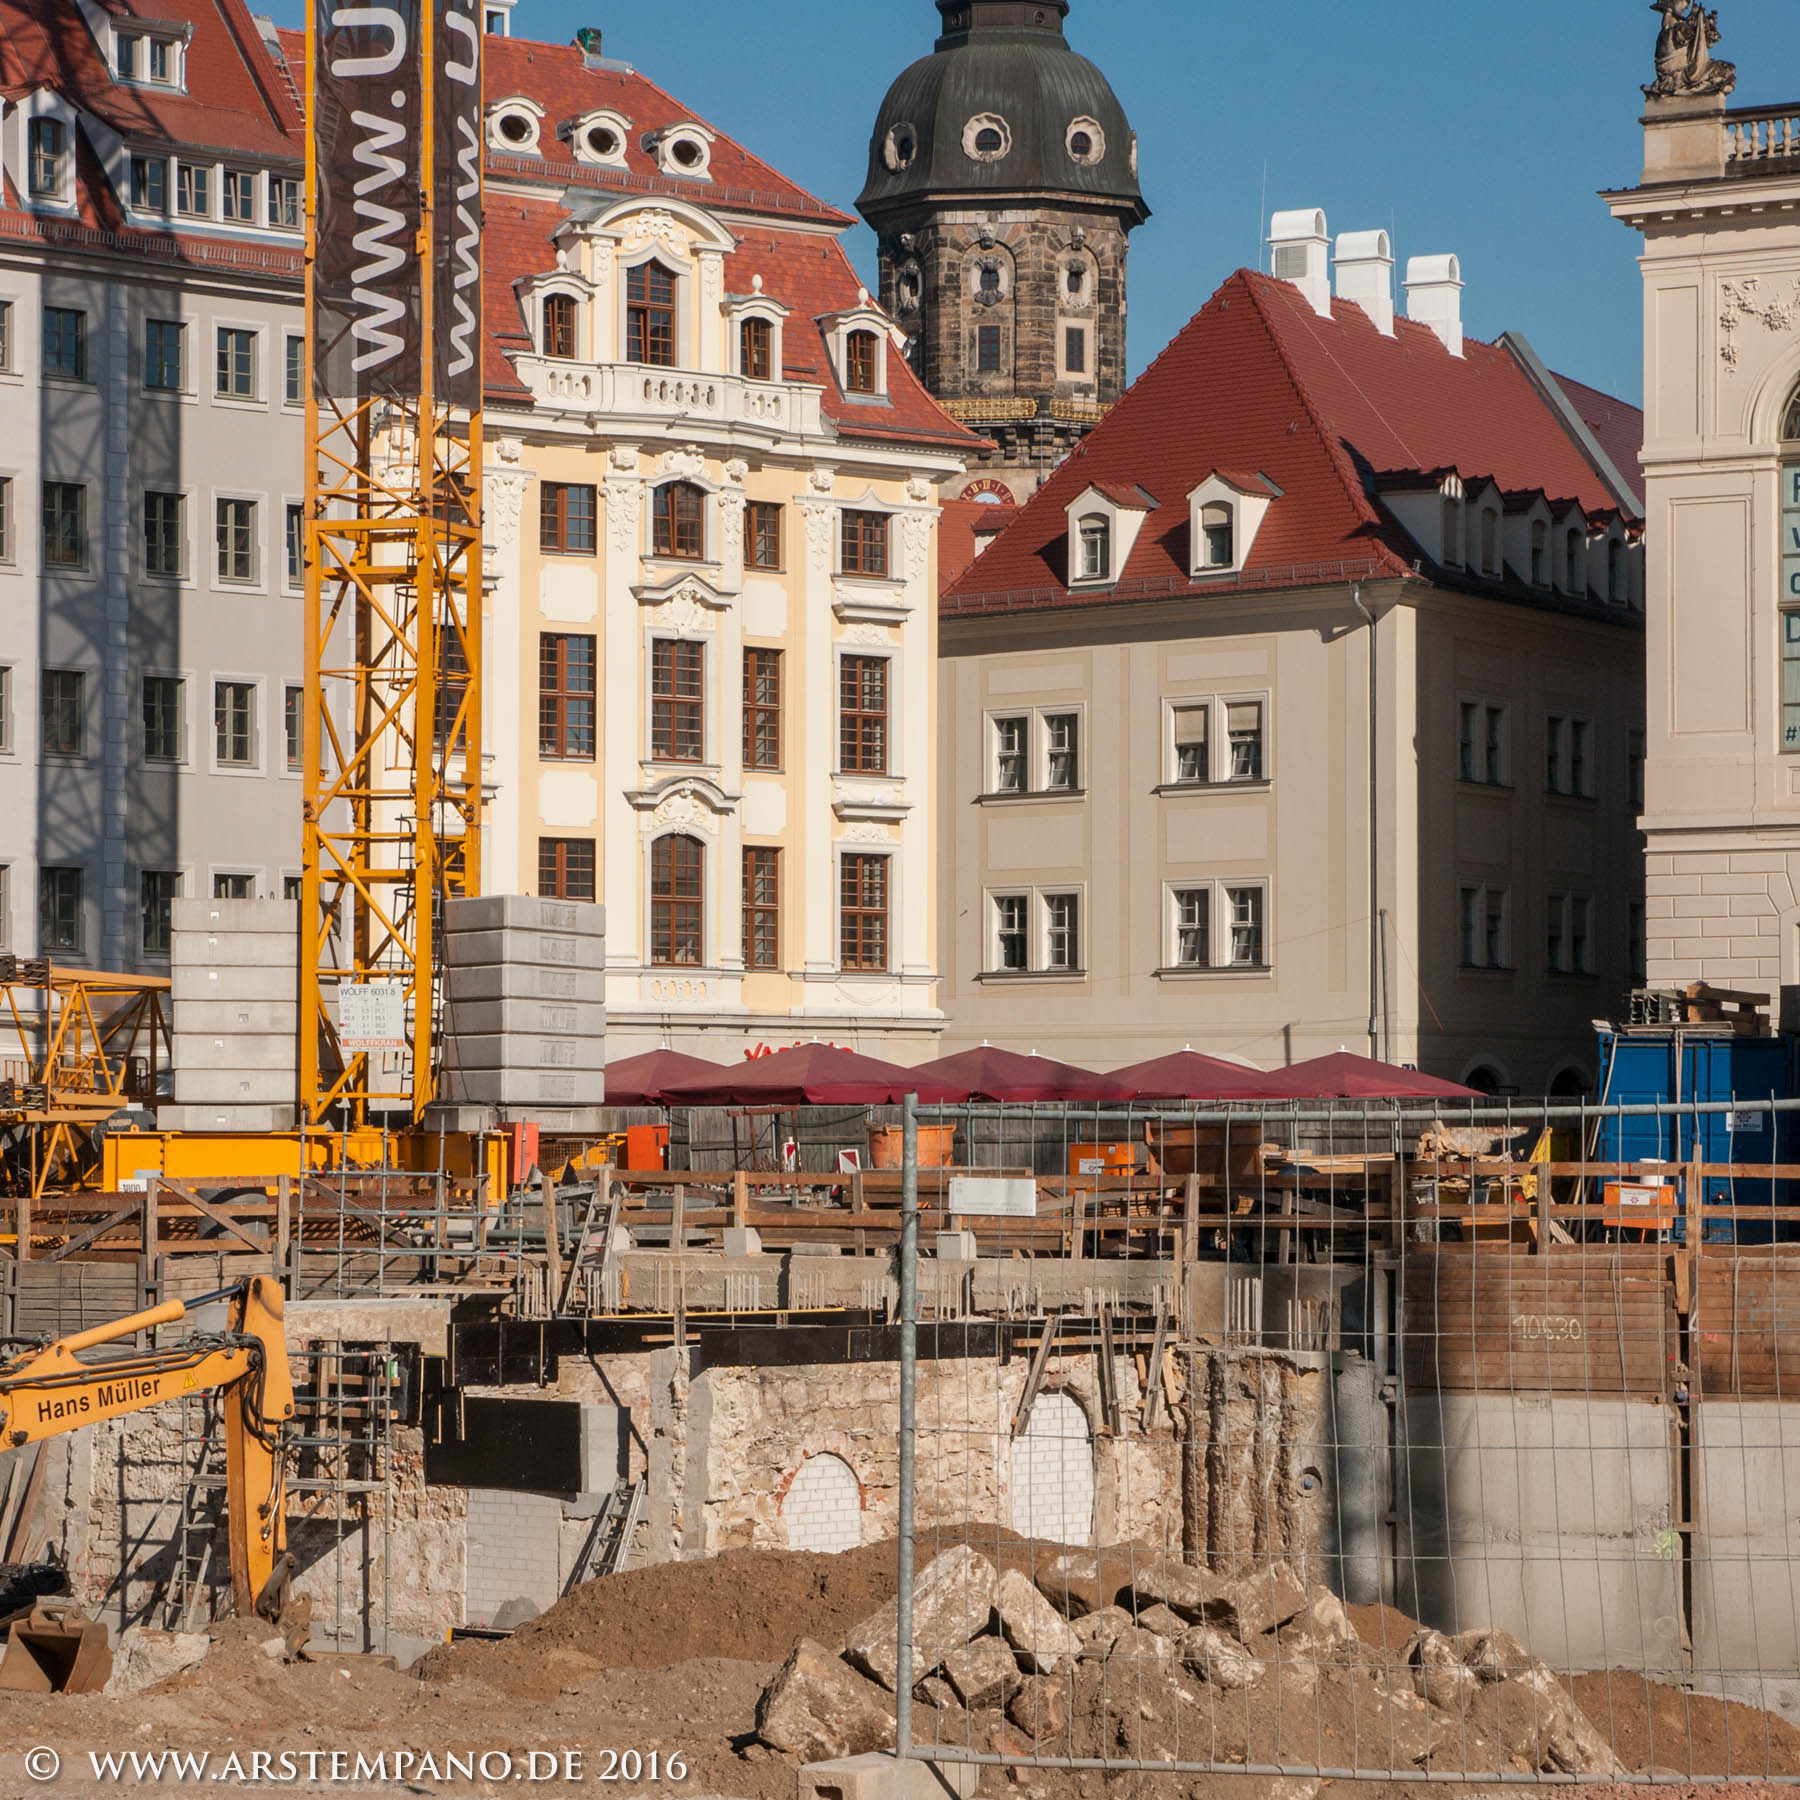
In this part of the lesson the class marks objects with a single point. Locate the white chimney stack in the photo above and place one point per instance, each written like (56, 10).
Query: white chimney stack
(1434, 297)
(1301, 249)
(1365, 275)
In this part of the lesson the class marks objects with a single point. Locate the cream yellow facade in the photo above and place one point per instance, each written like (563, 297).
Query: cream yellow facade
(629, 516)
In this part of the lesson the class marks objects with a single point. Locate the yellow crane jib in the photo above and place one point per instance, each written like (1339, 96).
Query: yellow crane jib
(47, 1391)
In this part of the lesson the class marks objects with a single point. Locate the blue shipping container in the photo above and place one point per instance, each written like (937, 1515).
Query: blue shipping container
(1678, 1066)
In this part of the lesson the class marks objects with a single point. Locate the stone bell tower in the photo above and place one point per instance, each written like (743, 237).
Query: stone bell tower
(1003, 188)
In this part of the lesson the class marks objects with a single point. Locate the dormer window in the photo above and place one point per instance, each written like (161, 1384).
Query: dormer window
(756, 349)
(1572, 563)
(284, 202)
(129, 51)
(684, 150)
(559, 325)
(140, 58)
(237, 192)
(1096, 549)
(159, 60)
(1453, 529)
(861, 359)
(193, 190)
(1615, 572)
(1540, 554)
(49, 139)
(1490, 541)
(650, 315)
(514, 125)
(678, 521)
(150, 183)
(1217, 534)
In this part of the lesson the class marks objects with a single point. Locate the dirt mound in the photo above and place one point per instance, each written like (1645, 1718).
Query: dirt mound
(1655, 1725)
(752, 1605)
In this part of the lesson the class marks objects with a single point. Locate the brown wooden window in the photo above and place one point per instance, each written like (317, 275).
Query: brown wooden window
(860, 352)
(865, 543)
(650, 315)
(566, 699)
(559, 325)
(566, 868)
(675, 902)
(756, 349)
(762, 709)
(677, 700)
(863, 912)
(677, 521)
(765, 534)
(762, 909)
(566, 518)
(863, 715)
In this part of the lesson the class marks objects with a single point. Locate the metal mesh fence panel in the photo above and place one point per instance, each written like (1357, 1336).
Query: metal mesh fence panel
(1395, 1441)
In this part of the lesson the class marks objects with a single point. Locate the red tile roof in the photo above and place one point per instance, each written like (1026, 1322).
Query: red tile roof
(965, 529)
(1618, 425)
(235, 98)
(1258, 381)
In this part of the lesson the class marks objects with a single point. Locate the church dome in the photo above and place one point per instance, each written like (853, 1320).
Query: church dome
(1002, 106)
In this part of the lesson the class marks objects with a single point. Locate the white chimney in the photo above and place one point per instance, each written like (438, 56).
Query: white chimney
(1365, 275)
(1434, 297)
(1301, 249)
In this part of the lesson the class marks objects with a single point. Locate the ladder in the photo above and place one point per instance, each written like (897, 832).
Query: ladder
(599, 1220)
(609, 1543)
(202, 1500)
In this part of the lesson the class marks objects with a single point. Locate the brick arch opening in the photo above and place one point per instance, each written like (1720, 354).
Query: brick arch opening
(1053, 1473)
(822, 1508)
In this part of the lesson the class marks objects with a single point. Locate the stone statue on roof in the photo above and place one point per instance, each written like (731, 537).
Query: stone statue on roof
(1685, 66)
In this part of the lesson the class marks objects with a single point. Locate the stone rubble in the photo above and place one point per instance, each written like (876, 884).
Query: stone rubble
(818, 1708)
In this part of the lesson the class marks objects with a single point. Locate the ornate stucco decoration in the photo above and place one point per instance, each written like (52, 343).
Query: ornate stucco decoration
(682, 603)
(822, 480)
(657, 225)
(624, 501)
(877, 799)
(685, 464)
(1743, 301)
(682, 803)
(915, 530)
(867, 831)
(1685, 67)
(821, 518)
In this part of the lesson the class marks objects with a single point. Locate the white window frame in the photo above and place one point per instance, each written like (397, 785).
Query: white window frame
(1217, 711)
(1486, 708)
(1036, 899)
(996, 900)
(292, 771)
(1220, 924)
(9, 519)
(1076, 891)
(181, 881)
(258, 397)
(183, 757)
(1562, 908)
(259, 731)
(6, 709)
(1036, 751)
(258, 582)
(8, 332)
(289, 504)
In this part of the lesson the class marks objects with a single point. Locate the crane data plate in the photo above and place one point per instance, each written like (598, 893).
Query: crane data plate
(372, 1016)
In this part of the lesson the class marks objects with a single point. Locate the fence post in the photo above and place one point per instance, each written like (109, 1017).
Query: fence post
(909, 1365)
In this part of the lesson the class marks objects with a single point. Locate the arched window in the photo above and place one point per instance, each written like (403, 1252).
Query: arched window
(559, 325)
(1216, 531)
(1790, 582)
(1790, 423)
(756, 349)
(676, 905)
(1572, 562)
(1540, 554)
(1453, 554)
(678, 521)
(1096, 549)
(861, 362)
(822, 1508)
(650, 315)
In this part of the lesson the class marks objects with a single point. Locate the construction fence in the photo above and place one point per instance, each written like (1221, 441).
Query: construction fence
(1383, 1441)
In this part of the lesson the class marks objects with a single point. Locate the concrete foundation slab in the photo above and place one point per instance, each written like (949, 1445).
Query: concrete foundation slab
(234, 949)
(547, 1018)
(525, 981)
(204, 982)
(527, 1089)
(235, 1087)
(524, 912)
(239, 1050)
(227, 1118)
(879, 1776)
(477, 949)
(232, 1016)
(1548, 1517)
(525, 1051)
(1747, 1518)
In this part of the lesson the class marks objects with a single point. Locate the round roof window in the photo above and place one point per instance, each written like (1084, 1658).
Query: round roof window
(603, 140)
(687, 152)
(989, 141)
(901, 148)
(986, 138)
(1086, 141)
(516, 128)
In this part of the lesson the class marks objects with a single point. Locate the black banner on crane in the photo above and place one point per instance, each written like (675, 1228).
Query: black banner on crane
(368, 295)
(456, 216)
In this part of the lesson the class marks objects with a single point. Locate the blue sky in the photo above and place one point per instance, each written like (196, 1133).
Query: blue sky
(1473, 126)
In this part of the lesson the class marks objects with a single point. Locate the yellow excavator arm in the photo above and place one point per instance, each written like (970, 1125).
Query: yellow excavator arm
(48, 1391)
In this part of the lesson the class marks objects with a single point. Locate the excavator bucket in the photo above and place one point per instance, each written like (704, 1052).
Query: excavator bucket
(55, 1649)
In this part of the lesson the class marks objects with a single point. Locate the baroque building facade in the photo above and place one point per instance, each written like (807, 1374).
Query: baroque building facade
(1003, 188)
(712, 493)
(1716, 206)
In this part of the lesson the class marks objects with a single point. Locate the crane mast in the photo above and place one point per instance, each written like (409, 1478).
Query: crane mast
(391, 725)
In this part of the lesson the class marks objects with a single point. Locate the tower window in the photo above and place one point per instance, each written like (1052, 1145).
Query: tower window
(1075, 350)
(1081, 144)
(989, 141)
(987, 349)
(990, 278)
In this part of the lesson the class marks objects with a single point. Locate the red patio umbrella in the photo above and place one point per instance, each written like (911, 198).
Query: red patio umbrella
(1188, 1075)
(990, 1073)
(811, 1075)
(639, 1080)
(1342, 1076)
